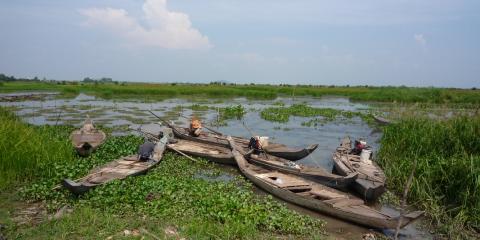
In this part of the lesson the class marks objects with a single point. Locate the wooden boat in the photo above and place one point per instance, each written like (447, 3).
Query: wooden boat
(87, 139)
(381, 120)
(211, 152)
(275, 149)
(317, 174)
(318, 197)
(118, 169)
(370, 183)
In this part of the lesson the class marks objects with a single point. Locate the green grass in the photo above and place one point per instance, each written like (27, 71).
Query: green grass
(170, 194)
(27, 152)
(447, 179)
(161, 91)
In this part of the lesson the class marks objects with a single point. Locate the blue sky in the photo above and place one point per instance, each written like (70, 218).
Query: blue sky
(404, 42)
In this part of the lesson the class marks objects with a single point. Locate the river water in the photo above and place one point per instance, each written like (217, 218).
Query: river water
(120, 114)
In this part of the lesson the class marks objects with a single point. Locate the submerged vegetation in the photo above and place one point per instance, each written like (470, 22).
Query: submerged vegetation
(165, 90)
(170, 194)
(447, 179)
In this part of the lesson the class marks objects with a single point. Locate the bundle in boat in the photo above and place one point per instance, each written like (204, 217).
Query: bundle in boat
(87, 139)
(275, 149)
(318, 197)
(121, 168)
(370, 183)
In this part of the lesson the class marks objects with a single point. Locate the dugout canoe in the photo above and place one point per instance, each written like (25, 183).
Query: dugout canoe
(370, 183)
(276, 149)
(211, 152)
(381, 120)
(118, 169)
(318, 197)
(87, 139)
(317, 174)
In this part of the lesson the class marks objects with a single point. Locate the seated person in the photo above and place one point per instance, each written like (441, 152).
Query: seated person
(195, 127)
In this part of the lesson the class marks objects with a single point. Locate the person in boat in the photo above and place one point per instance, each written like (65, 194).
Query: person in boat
(195, 127)
(359, 145)
(145, 151)
(257, 144)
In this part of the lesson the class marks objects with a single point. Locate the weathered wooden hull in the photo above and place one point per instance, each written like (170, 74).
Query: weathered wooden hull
(317, 174)
(306, 194)
(275, 149)
(381, 120)
(86, 142)
(369, 187)
(80, 187)
(211, 152)
(118, 169)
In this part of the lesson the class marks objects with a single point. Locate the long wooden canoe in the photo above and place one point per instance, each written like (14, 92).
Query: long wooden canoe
(370, 183)
(87, 139)
(118, 169)
(317, 174)
(318, 197)
(276, 149)
(381, 120)
(211, 152)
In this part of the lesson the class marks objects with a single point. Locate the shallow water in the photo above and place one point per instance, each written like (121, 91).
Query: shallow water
(122, 113)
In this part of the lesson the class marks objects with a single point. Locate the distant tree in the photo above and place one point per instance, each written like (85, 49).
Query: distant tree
(36, 78)
(87, 79)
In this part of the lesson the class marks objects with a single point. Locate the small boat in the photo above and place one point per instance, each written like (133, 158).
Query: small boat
(211, 152)
(87, 139)
(370, 183)
(317, 174)
(119, 169)
(318, 197)
(381, 120)
(275, 149)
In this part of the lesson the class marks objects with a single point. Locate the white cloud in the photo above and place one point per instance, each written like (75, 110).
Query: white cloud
(420, 39)
(166, 29)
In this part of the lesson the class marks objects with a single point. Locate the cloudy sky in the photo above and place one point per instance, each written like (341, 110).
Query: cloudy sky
(384, 42)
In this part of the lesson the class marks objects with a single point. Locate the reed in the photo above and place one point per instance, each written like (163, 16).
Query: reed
(447, 181)
(469, 97)
(27, 151)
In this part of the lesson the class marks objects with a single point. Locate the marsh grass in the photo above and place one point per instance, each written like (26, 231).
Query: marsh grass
(26, 151)
(150, 91)
(447, 179)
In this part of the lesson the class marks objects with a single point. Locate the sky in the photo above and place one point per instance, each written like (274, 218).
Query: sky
(384, 42)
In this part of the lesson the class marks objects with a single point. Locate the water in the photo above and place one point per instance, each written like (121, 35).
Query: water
(120, 114)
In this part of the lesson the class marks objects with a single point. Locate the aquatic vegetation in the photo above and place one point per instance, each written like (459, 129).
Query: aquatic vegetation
(447, 182)
(151, 91)
(171, 193)
(282, 114)
(27, 151)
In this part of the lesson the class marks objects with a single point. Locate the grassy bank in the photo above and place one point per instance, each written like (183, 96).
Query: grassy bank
(447, 179)
(161, 91)
(200, 200)
(28, 152)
